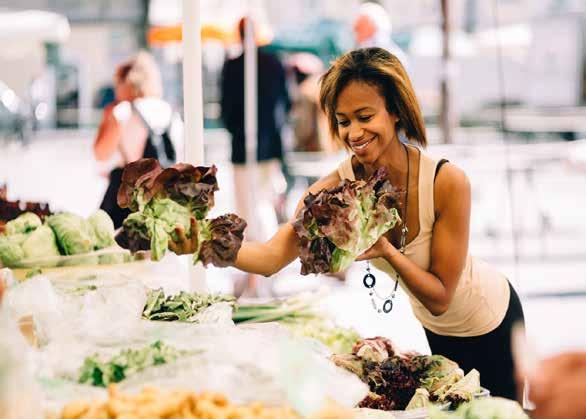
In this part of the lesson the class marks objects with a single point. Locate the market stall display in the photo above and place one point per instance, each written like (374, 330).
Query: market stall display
(279, 358)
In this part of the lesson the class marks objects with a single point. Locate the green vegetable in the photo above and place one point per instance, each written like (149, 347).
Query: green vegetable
(463, 390)
(102, 228)
(10, 251)
(439, 371)
(40, 244)
(162, 199)
(181, 307)
(24, 223)
(339, 340)
(99, 372)
(420, 399)
(157, 221)
(294, 308)
(338, 224)
(74, 235)
(489, 408)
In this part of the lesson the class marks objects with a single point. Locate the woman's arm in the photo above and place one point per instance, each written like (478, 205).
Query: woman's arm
(270, 257)
(261, 258)
(449, 245)
(106, 142)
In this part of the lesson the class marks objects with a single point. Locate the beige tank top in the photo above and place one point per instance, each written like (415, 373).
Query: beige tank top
(482, 296)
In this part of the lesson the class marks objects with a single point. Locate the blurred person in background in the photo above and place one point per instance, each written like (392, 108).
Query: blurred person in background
(558, 387)
(373, 28)
(138, 124)
(273, 104)
(466, 307)
(309, 123)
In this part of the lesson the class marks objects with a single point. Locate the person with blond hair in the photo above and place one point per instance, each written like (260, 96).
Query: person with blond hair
(373, 28)
(138, 124)
(466, 306)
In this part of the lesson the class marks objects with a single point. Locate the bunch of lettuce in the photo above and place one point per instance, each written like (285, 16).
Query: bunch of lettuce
(162, 199)
(400, 381)
(99, 372)
(337, 225)
(182, 307)
(27, 240)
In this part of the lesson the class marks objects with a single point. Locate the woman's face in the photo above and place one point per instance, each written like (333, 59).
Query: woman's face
(364, 123)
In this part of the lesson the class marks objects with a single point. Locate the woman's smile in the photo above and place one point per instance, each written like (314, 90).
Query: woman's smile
(360, 146)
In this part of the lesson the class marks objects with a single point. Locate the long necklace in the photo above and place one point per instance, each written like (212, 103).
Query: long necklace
(369, 279)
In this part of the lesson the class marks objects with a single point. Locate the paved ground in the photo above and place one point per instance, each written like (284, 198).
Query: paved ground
(548, 192)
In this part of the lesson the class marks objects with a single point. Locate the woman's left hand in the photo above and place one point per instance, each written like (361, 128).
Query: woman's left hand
(381, 249)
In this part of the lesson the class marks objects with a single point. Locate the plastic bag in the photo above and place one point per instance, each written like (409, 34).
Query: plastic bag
(219, 314)
(102, 314)
(37, 298)
(262, 363)
(20, 396)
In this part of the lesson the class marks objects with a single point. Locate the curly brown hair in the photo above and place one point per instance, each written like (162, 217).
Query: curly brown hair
(381, 69)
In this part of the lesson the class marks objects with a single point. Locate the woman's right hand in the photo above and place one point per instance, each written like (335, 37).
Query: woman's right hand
(185, 245)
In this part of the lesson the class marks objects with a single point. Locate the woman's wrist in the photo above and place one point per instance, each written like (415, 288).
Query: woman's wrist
(391, 253)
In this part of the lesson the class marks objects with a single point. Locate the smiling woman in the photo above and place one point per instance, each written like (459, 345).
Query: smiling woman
(466, 307)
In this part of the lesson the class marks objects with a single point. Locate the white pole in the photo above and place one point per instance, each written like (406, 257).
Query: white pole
(250, 96)
(250, 120)
(193, 108)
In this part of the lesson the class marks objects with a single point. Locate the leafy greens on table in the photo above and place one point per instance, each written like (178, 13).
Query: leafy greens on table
(180, 307)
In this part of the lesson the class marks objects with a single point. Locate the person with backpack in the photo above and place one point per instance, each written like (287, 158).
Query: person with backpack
(138, 124)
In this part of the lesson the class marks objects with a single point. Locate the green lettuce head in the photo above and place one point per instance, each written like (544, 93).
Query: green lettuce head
(102, 228)
(24, 223)
(155, 226)
(41, 244)
(10, 251)
(74, 235)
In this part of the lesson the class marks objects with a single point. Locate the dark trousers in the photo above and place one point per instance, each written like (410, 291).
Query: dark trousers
(490, 354)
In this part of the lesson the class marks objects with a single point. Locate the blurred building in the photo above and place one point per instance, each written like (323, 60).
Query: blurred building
(541, 44)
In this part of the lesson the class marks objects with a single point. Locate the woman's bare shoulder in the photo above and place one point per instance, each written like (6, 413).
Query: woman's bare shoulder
(451, 184)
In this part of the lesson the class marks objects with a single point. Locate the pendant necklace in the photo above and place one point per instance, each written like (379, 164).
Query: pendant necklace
(369, 279)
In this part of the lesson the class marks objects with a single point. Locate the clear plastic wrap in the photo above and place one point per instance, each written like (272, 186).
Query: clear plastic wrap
(262, 363)
(20, 396)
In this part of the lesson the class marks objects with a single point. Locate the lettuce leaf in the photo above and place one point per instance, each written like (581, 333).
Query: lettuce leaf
(221, 239)
(74, 234)
(102, 228)
(145, 180)
(24, 223)
(338, 224)
(162, 199)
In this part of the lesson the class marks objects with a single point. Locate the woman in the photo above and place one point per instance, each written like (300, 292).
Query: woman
(138, 124)
(466, 307)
